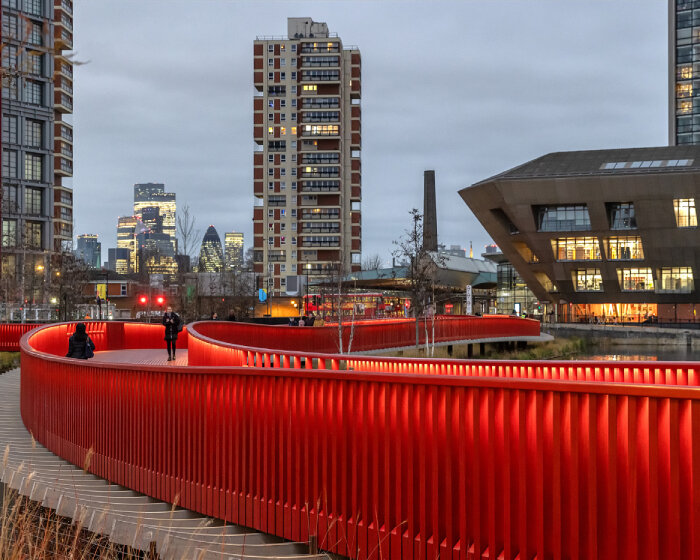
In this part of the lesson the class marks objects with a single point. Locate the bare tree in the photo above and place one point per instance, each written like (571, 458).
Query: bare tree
(422, 267)
(187, 233)
(372, 262)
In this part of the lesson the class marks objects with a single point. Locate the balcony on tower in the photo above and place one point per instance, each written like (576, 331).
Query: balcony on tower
(62, 38)
(62, 102)
(62, 132)
(62, 165)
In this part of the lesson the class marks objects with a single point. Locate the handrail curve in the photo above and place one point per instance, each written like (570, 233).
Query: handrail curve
(385, 464)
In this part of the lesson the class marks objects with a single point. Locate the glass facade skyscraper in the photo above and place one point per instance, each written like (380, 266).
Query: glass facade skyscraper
(684, 72)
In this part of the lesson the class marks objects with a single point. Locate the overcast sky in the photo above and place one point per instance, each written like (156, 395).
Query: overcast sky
(468, 88)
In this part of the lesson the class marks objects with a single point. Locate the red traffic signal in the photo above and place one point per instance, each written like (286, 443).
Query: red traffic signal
(160, 300)
(143, 300)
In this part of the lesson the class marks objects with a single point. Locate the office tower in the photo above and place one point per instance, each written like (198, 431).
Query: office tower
(157, 244)
(62, 130)
(307, 169)
(89, 250)
(233, 243)
(126, 238)
(36, 142)
(684, 71)
(211, 255)
(153, 195)
(118, 260)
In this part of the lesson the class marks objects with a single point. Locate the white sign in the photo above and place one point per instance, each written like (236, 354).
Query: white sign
(468, 305)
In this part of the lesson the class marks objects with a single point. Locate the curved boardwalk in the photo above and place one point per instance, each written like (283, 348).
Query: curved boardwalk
(127, 518)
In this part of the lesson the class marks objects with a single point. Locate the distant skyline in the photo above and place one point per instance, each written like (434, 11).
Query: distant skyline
(468, 88)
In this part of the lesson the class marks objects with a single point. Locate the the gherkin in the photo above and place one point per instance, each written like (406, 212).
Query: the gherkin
(211, 255)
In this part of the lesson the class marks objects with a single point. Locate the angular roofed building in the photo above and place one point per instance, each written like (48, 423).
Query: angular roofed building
(610, 234)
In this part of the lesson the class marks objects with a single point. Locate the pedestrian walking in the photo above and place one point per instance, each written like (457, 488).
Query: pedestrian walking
(80, 345)
(173, 326)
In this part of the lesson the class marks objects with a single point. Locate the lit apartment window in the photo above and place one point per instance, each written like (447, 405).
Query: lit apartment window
(684, 72)
(685, 107)
(625, 249)
(684, 90)
(635, 279)
(283, 131)
(9, 233)
(562, 218)
(270, 129)
(588, 280)
(309, 88)
(684, 208)
(677, 280)
(576, 249)
(33, 167)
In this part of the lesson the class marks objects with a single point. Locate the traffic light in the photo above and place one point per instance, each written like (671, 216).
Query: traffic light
(160, 300)
(143, 300)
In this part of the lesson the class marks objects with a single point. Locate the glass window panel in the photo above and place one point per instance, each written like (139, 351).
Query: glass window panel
(676, 280)
(635, 279)
(621, 214)
(684, 209)
(625, 248)
(588, 280)
(576, 249)
(562, 218)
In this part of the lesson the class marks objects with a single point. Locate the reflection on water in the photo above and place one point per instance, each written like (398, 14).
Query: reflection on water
(641, 352)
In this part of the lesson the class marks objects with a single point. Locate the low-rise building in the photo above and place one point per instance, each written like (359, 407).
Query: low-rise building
(605, 235)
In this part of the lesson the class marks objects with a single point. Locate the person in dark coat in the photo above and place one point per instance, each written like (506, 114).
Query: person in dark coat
(171, 322)
(79, 342)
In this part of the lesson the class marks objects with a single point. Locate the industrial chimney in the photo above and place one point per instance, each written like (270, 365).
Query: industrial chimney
(430, 237)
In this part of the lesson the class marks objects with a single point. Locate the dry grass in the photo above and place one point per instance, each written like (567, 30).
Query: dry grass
(30, 531)
(8, 361)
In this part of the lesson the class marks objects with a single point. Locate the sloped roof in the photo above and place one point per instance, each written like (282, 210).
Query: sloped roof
(595, 162)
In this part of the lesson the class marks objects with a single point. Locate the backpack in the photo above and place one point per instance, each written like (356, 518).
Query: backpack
(179, 324)
(89, 352)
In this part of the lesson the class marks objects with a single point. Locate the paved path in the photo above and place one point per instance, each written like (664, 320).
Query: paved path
(150, 356)
(126, 517)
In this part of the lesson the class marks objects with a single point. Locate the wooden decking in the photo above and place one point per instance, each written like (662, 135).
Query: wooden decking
(150, 357)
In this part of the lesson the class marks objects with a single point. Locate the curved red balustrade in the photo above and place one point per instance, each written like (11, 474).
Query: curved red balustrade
(10, 333)
(389, 464)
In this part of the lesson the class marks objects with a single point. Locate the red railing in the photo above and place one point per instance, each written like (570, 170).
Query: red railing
(387, 465)
(10, 333)
(366, 336)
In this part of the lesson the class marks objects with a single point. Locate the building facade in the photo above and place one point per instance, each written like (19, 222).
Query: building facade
(37, 209)
(211, 254)
(233, 245)
(606, 235)
(307, 166)
(89, 250)
(127, 229)
(684, 72)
